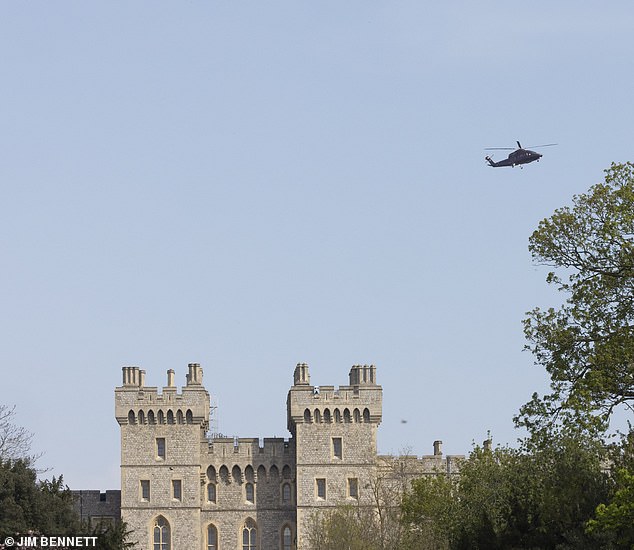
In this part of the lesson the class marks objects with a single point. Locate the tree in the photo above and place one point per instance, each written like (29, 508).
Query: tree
(616, 519)
(374, 522)
(512, 498)
(587, 345)
(15, 441)
(47, 507)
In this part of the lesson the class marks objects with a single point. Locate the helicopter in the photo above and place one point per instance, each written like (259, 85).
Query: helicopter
(519, 156)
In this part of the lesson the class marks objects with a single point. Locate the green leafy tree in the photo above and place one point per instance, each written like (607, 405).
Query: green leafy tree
(513, 498)
(587, 345)
(615, 520)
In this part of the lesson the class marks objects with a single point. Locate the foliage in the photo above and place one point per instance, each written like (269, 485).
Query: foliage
(510, 498)
(372, 523)
(587, 345)
(46, 507)
(616, 519)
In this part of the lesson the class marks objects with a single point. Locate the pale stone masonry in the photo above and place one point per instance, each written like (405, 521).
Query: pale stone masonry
(181, 490)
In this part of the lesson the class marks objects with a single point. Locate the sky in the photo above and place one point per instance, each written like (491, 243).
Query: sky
(249, 185)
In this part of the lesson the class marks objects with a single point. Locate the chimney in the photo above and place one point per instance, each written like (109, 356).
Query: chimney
(437, 448)
(195, 376)
(170, 378)
(301, 376)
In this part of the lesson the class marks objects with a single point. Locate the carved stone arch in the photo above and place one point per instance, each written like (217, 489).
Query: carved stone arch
(131, 417)
(346, 416)
(211, 474)
(236, 474)
(317, 416)
(160, 417)
(261, 473)
(189, 416)
(249, 474)
(286, 472)
(161, 532)
(150, 417)
(366, 415)
(357, 415)
(337, 416)
(327, 417)
(249, 535)
(170, 417)
(274, 473)
(179, 417)
(288, 537)
(141, 417)
(307, 417)
(212, 537)
(224, 475)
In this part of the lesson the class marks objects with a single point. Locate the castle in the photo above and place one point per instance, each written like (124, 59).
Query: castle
(181, 490)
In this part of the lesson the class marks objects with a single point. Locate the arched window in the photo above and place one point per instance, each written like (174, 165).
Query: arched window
(161, 417)
(170, 417)
(141, 417)
(346, 415)
(249, 474)
(337, 415)
(211, 474)
(274, 473)
(161, 534)
(327, 418)
(212, 537)
(286, 493)
(287, 538)
(261, 473)
(249, 535)
(366, 415)
(357, 415)
(286, 471)
(150, 417)
(211, 492)
(236, 474)
(131, 418)
(179, 417)
(249, 491)
(307, 416)
(189, 416)
(224, 474)
(317, 416)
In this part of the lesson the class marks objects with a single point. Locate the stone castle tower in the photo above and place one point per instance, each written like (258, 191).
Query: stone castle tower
(181, 490)
(335, 437)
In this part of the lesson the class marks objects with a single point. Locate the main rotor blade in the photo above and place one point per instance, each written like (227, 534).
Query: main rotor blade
(547, 145)
(499, 148)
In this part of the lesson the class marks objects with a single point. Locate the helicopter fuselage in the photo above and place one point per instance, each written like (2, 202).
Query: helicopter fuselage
(519, 156)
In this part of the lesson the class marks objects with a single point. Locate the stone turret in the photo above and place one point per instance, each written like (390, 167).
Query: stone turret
(335, 439)
(163, 437)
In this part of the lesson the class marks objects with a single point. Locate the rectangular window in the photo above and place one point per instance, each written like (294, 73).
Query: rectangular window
(145, 490)
(160, 448)
(353, 487)
(337, 451)
(176, 489)
(321, 488)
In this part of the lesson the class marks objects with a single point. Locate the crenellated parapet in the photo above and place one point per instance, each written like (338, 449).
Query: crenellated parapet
(138, 404)
(359, 402)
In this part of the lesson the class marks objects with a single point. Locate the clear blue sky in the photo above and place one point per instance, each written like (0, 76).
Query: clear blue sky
(249, 185)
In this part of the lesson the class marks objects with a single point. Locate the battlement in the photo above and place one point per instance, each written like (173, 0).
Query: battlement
(136, 403)
(247, 447)
(359, 402)
(411, 467)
